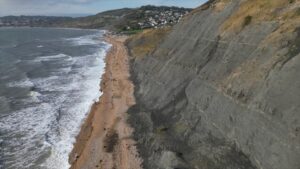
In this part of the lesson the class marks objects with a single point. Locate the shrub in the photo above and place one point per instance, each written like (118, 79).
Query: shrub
(247, 20)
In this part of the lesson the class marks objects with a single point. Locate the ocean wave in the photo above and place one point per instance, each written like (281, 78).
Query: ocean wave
(63, 132)
(54, 57)
(86, 40)
(43, 133)
(25, 83)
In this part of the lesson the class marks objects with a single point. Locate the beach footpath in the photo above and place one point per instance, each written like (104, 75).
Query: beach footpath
(105, 140)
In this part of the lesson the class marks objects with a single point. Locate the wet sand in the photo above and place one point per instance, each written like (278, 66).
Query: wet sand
(105, 140)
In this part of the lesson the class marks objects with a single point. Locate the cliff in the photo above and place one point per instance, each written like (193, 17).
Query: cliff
(221, 90)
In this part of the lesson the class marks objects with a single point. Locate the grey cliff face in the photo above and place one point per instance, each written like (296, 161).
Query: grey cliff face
(208, 99)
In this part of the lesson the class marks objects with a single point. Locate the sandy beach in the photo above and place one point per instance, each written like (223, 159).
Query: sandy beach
(105, 140)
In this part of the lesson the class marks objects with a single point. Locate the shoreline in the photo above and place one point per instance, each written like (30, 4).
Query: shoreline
(105, 139)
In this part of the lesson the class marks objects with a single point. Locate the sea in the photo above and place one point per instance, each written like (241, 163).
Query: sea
(49, 78)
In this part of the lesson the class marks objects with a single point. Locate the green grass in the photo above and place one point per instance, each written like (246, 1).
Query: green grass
(132, 32)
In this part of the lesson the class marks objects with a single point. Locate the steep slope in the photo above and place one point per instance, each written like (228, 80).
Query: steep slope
(222, 90)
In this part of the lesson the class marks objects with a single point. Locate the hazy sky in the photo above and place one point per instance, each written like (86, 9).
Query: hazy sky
(70, 7)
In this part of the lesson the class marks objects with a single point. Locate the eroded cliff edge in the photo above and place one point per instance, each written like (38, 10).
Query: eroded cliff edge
(222, 89)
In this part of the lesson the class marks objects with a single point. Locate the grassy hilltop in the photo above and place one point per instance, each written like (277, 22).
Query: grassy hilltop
(126, 19)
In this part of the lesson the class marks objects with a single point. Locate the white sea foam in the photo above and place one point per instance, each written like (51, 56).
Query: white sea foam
(76, 109)
(54, 57)
(19, 124)
(86, 40)
(63, 103)
(22, 83)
